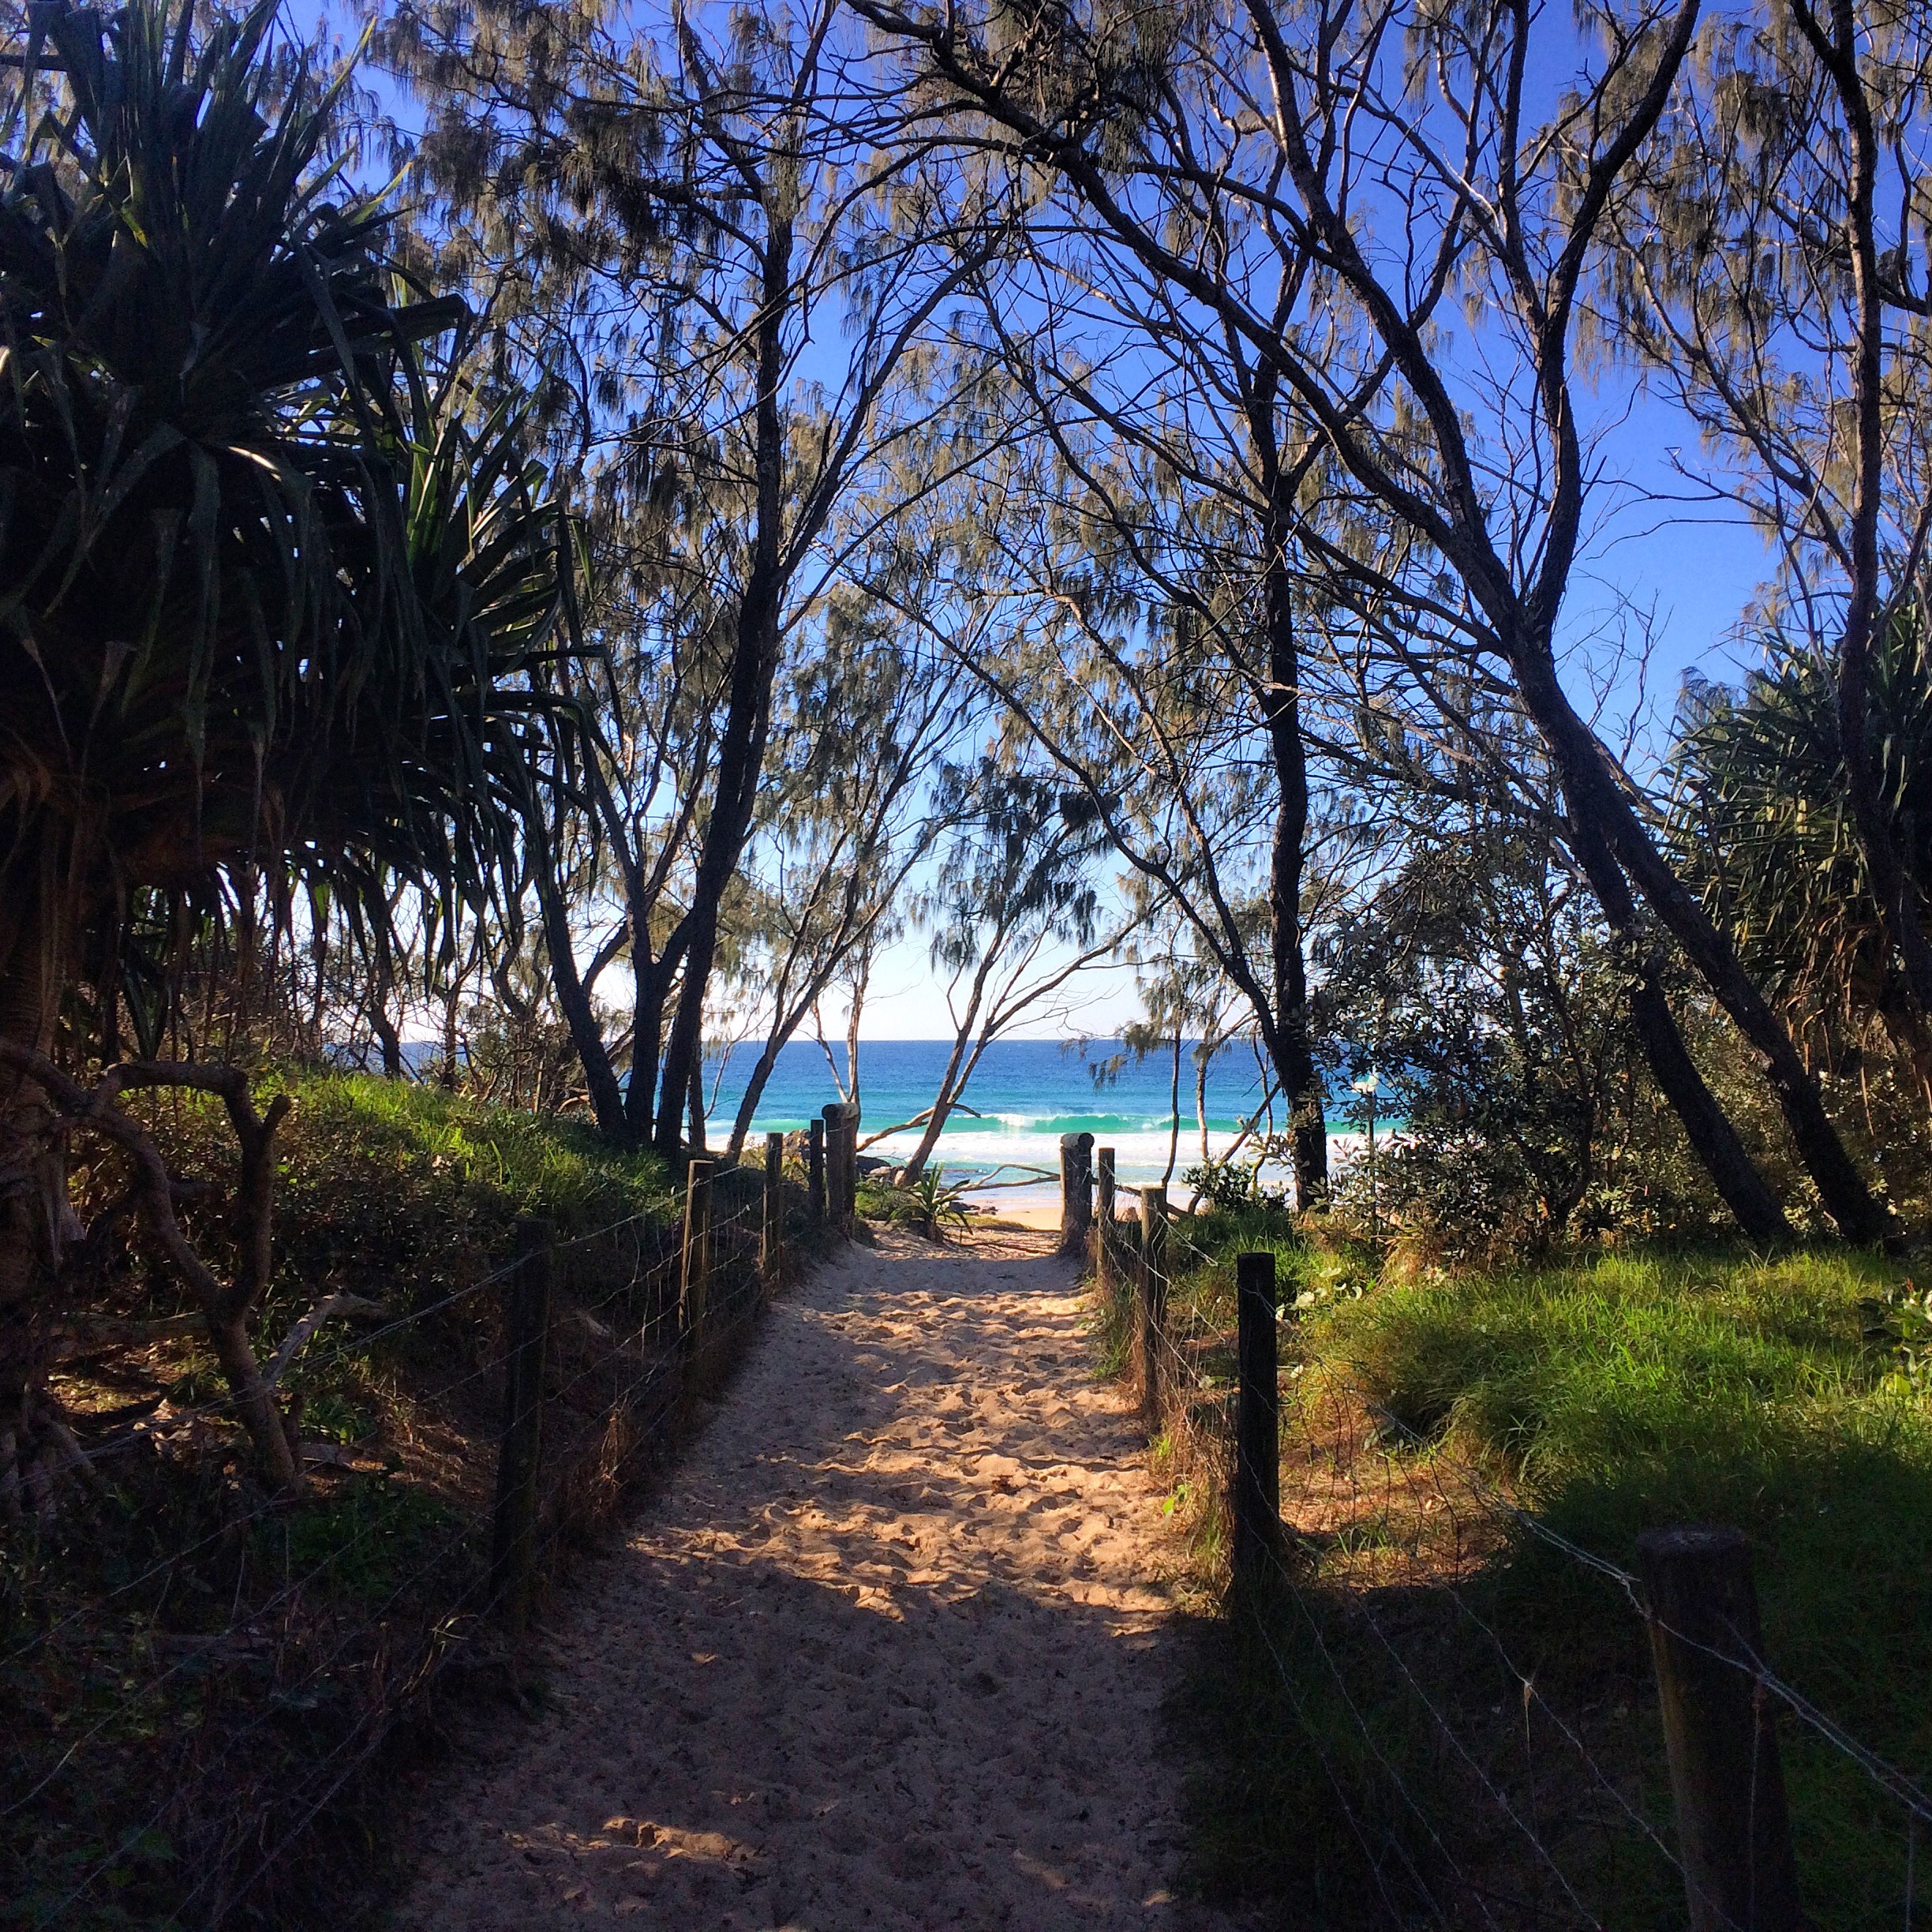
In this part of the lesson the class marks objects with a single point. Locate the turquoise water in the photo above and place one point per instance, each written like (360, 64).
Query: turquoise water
(1025, 1094)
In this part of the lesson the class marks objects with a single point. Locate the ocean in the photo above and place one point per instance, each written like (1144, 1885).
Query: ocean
(1024, 1094)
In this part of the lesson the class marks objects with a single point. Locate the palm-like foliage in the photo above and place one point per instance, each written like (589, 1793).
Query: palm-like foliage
(262, 595)
(1766, 833)
(268, 599)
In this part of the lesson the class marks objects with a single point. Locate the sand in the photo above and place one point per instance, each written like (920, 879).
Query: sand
(888, 1651)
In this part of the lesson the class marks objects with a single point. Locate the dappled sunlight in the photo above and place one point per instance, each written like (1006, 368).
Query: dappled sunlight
(891, 1653)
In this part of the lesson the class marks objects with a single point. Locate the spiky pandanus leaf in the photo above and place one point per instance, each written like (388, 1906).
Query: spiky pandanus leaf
(262, 594)
(268, 603)
(1766, 832)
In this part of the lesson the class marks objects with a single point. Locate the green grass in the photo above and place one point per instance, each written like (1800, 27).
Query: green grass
(180, 1609)
(1607, 1396)
(405, 1191)
(1632, 1392)
(473, 1168)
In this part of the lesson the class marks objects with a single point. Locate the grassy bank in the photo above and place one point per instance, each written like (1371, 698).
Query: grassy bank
(1379, 1753)
(193, 1674)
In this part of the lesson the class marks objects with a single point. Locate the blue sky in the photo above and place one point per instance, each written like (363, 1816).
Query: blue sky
(1693, 569)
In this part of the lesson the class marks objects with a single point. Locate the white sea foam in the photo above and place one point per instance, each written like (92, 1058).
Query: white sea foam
(1031, 1160)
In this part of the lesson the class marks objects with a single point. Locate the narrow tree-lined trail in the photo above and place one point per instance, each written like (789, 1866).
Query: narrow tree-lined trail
(888, 1651)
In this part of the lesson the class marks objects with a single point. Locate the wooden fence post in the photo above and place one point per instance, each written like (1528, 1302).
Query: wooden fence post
(815, 1171)
(1104, 1219)
(694, 1283)
(526, 1326)
(834, 1115)
(1727, 1783)
(1256, 1488)
(1153, 1302)
(1076, 1192)
(841, 1132)
(771, 1246)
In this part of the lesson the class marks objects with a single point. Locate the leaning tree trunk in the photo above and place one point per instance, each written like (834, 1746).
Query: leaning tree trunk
(1596, 800)
(1713, 1139)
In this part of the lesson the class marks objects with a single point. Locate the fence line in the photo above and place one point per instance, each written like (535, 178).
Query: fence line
(1176, 1352)
(654, 1365)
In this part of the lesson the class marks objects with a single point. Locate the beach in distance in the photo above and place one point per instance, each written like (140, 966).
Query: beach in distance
(1023, 1095)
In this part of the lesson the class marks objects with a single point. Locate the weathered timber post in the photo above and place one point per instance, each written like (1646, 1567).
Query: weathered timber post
(694, 1284)
(851, 1166)
(1104, 1219)
(1153, 1302)
(1256, 1488)
(1727, 1783)
(834, 1114)
(1076, 1192)
(815, 1171)
(771, 1246)
(526, 1327)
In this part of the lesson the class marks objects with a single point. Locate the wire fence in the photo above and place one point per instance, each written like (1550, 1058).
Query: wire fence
(1484, 1730)
(189, 1707)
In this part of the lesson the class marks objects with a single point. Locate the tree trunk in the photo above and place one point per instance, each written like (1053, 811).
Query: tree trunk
(747, 723)
(650, 980)
(696, 1108)
(1597, 801)
(36, 1218)
(452, 1002)
(388, 1037)
(1291, 1047)
(741, 758)
(1837, 51)
(754, 1091)
(255, 1402)
(1713, 1139)
(607, 1100)
(1909, 1038)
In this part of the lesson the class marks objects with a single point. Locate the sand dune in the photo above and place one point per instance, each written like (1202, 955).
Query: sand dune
(887, 1653)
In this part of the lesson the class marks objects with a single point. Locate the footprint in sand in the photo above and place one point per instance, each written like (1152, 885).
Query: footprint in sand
(887, 1654)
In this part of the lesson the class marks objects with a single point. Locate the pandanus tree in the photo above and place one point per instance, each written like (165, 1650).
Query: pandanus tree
(270, 604)
(1769, 837)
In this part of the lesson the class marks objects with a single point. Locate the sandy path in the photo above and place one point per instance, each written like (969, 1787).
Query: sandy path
(879, 1657)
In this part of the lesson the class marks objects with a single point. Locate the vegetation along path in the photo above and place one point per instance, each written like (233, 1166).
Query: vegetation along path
(887, 1653)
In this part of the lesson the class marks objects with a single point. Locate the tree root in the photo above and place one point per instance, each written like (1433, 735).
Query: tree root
(41, 1460)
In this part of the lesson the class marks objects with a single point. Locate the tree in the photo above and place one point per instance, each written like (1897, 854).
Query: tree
(1764, 830)
(271, 605)
(1483, 997)
(706, 246)
(1015, 916)
(1773, 274)
(848, 816)
(1148, 533)
(1431, 353)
